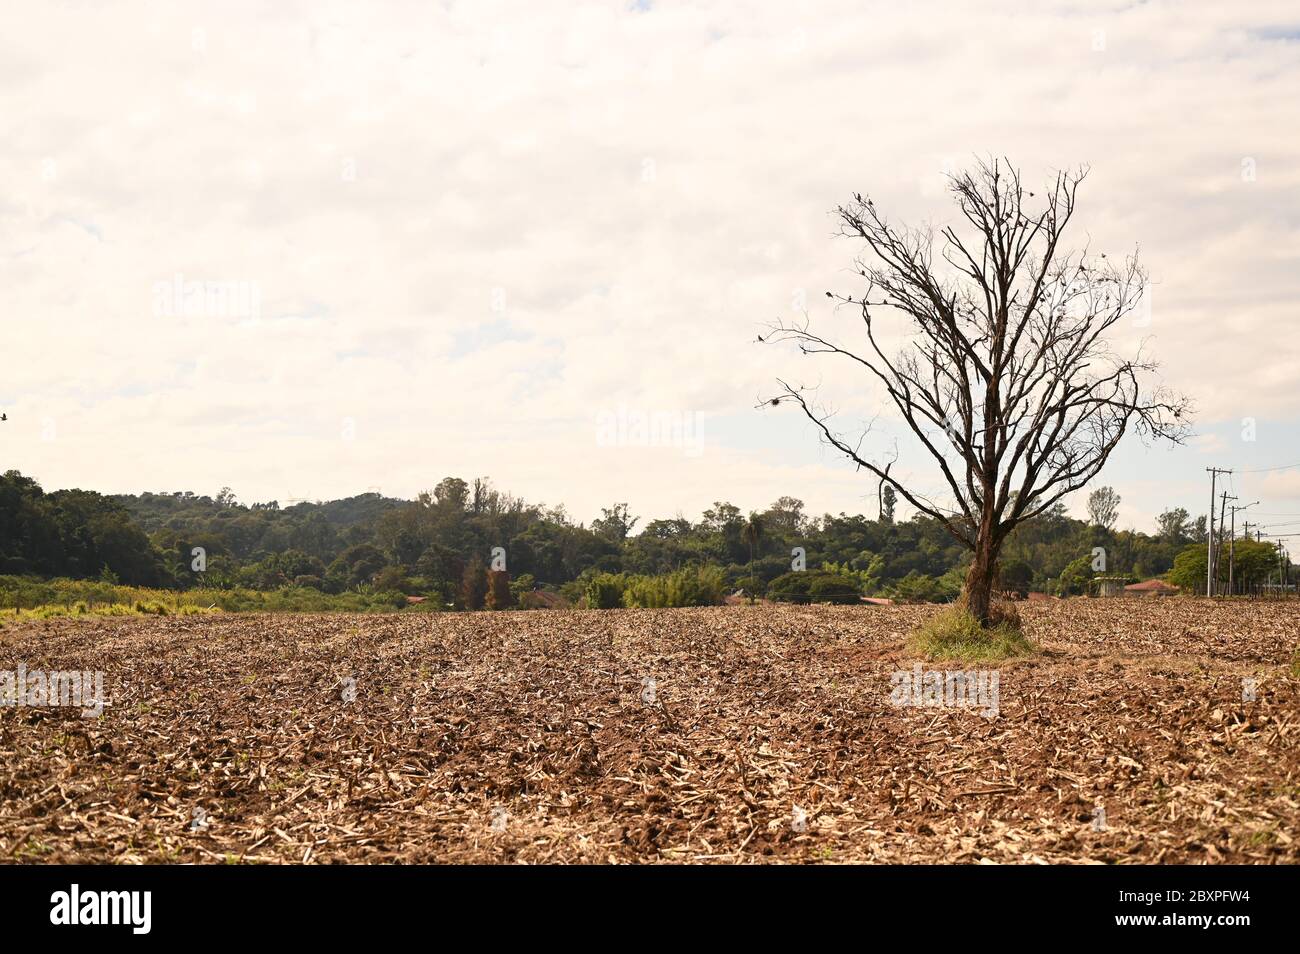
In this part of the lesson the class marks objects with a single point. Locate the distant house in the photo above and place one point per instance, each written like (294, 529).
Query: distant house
(1151, 588)
(1108, 585)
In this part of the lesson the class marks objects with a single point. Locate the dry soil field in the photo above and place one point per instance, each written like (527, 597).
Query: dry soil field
(525, 737)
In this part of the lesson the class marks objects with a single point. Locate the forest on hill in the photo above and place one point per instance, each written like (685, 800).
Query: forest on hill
(445, 544)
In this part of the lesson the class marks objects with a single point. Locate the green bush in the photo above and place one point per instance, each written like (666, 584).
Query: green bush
(605, 591)
(815, 586)
(790, 587)
(63, 597)
(954, 633)
(834, 588)
(689, 586)
(922, 588)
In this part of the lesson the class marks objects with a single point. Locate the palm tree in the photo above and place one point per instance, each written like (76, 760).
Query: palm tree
(752, 533)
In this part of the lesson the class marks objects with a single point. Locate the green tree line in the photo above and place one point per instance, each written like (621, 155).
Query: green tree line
(466, 543)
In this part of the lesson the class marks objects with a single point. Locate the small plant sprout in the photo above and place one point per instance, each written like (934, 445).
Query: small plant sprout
(648, 691)
(349, 690)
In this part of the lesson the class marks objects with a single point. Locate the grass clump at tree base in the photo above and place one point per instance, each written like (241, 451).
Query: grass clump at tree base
(954, 633)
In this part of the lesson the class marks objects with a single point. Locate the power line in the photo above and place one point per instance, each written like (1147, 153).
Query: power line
(1265, 470)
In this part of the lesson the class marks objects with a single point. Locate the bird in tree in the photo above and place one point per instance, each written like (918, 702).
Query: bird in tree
(1005, 379)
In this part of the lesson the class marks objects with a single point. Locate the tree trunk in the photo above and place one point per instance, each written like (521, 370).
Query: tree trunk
(979, 579)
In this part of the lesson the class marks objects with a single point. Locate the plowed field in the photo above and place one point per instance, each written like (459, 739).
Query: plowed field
(767, 735)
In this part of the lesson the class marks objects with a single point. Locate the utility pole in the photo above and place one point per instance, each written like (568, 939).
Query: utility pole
(1232, 541)
(1209, 536)
(1223, 525)
(1218, 537)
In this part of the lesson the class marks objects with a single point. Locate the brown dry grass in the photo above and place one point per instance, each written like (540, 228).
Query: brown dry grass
(1135, 706)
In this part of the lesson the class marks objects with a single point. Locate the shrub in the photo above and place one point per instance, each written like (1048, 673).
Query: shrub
(834, 588)
(923, 588)
(522, 584)
(391, 578)
(63, 597)
(954, 633)
(605, 591)
(1016, 576)
(790, 587)
(689, 586)
(1076, 576)
(815, 586)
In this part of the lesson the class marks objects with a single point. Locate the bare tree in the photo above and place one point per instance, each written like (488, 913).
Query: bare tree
(1006, 380)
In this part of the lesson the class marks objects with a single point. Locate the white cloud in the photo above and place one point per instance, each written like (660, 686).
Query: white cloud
(628, 197)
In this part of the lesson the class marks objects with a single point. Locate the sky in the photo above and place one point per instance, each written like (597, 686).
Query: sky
(309, 250)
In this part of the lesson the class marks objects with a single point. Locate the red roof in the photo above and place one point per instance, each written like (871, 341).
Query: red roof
(1151, 586)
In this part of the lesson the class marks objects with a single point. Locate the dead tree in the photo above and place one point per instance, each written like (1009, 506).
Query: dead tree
(1006, 380)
